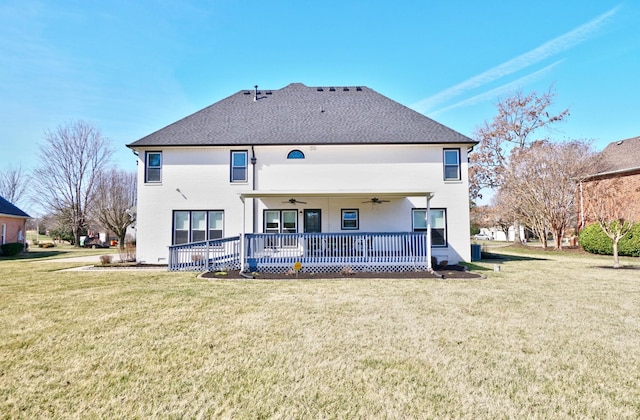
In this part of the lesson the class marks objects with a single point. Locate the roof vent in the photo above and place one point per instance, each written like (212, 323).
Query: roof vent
(346, 89)
(359, 89)
(332, 89)
(247, 93)
(620, 142)
(269, 93)
(320, 90)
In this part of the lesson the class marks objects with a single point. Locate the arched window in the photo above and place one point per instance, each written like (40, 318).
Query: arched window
(295, 154)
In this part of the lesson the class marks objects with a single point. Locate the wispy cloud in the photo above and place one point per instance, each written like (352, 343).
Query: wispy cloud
(500, 90)
(546, 50)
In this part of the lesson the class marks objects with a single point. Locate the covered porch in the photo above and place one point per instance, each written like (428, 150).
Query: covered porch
(330, 245)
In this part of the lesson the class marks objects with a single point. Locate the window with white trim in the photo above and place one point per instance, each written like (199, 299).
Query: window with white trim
(438, 225)
(451, 159)
(350, 219)
(153, 167)
(239, 166)
(280, 221)
(197, 225)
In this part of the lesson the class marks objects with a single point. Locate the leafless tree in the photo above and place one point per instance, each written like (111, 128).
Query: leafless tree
(73, 155)
(518, 118)
(13, 184)
(614, 208)
(115, 200)
(544, 177)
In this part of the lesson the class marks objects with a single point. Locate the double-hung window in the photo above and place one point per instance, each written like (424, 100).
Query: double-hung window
(350, 219)
(197, 225)
(239, 166)
(153, 167)
(451, 158)
(438, 225)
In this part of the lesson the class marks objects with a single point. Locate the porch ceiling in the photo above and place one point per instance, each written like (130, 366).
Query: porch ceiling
(335, 194)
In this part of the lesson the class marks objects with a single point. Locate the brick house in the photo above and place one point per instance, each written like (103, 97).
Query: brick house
(12, 223)
(620, 169)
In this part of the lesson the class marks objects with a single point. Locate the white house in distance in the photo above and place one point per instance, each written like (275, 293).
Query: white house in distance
(326, 176)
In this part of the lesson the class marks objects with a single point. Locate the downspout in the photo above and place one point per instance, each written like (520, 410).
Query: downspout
(253, 187)
(581, 207)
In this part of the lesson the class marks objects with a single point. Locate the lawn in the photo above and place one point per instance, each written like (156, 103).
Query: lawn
(550, 335)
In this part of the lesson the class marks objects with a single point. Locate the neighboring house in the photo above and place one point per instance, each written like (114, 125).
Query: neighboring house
(619, 161)
(332, 177)
(13, 223)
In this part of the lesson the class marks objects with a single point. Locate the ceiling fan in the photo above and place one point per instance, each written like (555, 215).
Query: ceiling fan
(376, 200)
(294, 201)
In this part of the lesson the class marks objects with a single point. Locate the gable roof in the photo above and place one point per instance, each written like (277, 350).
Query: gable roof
(8, 209)
(298, 114)
(620, 157)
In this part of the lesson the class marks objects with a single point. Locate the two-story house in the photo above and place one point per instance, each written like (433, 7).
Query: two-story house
(326, 176)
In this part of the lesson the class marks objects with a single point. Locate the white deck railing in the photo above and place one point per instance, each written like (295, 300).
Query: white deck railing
(316, 252)
(323, 252)
(214, 255)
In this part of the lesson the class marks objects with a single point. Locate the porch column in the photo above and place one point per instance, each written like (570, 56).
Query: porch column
(242, 250)
(429, 197)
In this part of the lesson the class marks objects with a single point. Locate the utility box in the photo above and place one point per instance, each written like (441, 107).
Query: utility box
(476, 252)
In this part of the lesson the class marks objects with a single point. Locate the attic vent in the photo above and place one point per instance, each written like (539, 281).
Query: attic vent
(346, 89)
(269, 93)
(332, 89)
(620, 142)
(359, 89)
(320, 90)
(247, 93)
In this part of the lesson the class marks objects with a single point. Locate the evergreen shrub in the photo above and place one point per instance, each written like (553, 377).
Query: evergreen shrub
(12, 249)
(594, 240)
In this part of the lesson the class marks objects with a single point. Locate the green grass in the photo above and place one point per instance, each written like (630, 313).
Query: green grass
(552, 336)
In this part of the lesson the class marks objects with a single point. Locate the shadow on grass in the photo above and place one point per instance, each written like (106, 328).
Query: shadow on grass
(622, 267)
(509, 257)
(474, 267)
(34, 255)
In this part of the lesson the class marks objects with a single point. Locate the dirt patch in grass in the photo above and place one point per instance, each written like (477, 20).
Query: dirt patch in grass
(448, 272)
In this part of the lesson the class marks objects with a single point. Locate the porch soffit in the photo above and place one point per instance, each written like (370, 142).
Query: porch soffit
(334, 194)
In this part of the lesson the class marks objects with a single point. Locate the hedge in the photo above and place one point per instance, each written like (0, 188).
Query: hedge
(594, 240)
(11, 249)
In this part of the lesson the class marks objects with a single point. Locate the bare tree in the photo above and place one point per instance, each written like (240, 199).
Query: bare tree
(543, 177)
(519, 116)
(614, 208)
(13, 184)
(115, 201)
(73, 155)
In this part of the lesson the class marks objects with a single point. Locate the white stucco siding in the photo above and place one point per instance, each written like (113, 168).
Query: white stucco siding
(192, 179)
(346, 167)
(199, 179)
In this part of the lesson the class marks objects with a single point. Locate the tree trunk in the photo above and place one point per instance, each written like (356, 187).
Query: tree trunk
(121, 237)
(616, 258)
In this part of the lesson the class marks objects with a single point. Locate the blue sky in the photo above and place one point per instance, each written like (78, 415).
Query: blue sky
(132, 67)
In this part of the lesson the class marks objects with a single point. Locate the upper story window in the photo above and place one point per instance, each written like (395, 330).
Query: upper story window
(295, 154)
(153, 167)
(239, 166)
(438, 225)
(451, 164)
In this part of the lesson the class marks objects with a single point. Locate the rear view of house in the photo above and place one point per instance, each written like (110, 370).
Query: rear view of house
(325, 176)
(12, 223)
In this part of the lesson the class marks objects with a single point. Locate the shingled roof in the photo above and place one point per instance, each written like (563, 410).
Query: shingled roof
(621, 156)
(298, 114)
(8, 209)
